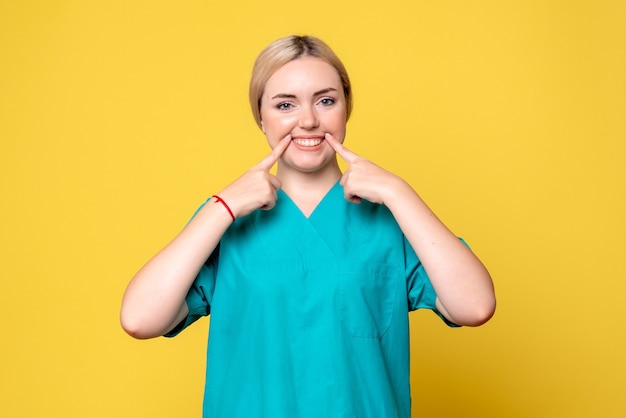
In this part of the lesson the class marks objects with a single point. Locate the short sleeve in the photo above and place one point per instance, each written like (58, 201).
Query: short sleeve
(199, 296)
(420, 291)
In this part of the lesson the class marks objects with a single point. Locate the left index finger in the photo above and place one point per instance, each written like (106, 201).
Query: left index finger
(347, 155)
(269, 160)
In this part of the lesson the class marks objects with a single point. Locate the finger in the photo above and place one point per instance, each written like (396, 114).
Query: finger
(268, 162)
(354, 199)
(270, 203)
(348, 194)
(347, 155)
(276, 184)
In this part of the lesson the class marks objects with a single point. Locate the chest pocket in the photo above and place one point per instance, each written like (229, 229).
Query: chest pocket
(368, 296)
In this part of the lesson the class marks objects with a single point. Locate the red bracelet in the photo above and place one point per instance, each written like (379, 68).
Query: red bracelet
(219, 199)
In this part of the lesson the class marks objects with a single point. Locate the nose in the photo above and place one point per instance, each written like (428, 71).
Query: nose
(308, 118)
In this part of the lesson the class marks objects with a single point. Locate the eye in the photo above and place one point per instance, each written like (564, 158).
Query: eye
(284, 106)
(327, 101)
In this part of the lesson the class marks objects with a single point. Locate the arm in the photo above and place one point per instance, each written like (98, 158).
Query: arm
(464, 288)
(465, 294)
(154, 301)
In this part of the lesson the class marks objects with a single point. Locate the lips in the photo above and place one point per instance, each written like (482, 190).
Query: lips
(308, 142)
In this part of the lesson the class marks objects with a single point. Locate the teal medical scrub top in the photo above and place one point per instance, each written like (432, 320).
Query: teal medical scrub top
(309, 316)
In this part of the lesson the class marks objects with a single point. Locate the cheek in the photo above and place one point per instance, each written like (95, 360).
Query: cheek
(337, 124)
(279, 125)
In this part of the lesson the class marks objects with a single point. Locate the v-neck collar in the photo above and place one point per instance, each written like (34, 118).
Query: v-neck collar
(331, 230)
(329, 227)
(336, 188)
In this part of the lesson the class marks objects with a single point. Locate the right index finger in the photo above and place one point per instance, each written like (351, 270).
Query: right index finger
(268, 162)
(347, 155)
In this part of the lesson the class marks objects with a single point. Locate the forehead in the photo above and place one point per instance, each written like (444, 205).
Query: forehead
(305, 75)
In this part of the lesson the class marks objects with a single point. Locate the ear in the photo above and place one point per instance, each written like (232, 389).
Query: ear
(262, 127)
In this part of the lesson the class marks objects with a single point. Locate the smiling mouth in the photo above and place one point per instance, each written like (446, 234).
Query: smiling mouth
(308, 142)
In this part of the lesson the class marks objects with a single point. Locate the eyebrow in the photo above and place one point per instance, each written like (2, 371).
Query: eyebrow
(293, 96)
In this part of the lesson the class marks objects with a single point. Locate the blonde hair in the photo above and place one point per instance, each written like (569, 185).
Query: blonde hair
(288, 49)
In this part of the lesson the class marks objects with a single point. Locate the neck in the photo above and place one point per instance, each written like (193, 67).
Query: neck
(308, 185)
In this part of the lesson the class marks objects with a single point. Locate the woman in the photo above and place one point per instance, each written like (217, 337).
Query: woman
(308, 275)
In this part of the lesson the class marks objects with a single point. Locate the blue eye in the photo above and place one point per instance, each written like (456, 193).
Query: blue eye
(327, 101)
(283, 106)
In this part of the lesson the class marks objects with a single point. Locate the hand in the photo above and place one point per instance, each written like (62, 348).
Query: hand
(257, 187)
(363, 179)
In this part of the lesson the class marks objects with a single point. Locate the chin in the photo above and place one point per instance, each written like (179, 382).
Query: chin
(310, 166)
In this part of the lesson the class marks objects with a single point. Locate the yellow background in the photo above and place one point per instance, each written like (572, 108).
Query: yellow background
(118, 118)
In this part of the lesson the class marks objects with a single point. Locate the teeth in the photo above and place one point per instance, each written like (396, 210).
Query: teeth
(307, 142)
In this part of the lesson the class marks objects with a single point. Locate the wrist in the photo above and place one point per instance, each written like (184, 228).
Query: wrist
(395, 189)
(219, 200)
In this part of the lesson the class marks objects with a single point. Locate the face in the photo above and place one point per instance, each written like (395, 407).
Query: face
(304, 99)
